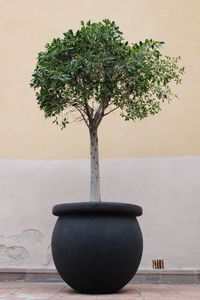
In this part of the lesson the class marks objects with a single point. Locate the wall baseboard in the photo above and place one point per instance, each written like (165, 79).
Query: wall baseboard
(167, 277)
(142, 276)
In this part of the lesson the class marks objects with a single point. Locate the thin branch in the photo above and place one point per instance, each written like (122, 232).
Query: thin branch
(110, 111)
(78, 119)
(87, 107)
(82, 114)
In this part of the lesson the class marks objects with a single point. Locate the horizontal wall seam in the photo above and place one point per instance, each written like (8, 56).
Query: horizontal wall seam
(142, 276)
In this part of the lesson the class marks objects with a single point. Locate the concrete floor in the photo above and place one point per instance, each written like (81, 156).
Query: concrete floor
(57, 291)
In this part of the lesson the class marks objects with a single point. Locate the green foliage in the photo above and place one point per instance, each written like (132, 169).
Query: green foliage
(95, 72)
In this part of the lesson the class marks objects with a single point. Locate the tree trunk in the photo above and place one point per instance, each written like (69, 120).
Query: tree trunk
(95, 174)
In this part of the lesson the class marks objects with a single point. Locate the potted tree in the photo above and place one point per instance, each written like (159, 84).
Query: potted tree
(97, 246)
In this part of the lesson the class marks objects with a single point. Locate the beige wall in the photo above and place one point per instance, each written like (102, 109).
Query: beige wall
(25, 27)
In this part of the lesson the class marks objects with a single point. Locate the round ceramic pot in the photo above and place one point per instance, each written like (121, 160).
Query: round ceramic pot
(97, 247)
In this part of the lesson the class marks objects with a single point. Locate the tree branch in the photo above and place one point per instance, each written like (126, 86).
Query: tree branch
(110, 111)
(87, 107)
(82, 115)
(100, 112)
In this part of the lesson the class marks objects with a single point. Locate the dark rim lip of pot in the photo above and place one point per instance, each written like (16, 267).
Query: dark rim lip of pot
(115, 208)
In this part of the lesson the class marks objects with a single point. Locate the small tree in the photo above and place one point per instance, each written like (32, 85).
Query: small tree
(94, 72)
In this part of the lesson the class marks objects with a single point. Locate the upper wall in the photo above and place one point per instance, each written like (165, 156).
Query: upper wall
(26, 26)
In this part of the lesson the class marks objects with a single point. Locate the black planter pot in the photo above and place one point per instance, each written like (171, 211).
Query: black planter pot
(97, 247)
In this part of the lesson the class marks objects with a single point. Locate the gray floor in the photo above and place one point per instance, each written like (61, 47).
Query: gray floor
(57, 291)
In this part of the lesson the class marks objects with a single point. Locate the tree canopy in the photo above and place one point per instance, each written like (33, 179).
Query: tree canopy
(94, 71)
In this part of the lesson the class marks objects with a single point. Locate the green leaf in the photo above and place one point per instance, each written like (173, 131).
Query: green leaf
(94, 66)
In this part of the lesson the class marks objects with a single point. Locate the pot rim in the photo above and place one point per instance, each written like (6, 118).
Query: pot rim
(114, 208)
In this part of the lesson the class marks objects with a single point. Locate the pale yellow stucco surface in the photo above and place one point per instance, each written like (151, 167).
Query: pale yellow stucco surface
(25, 27)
